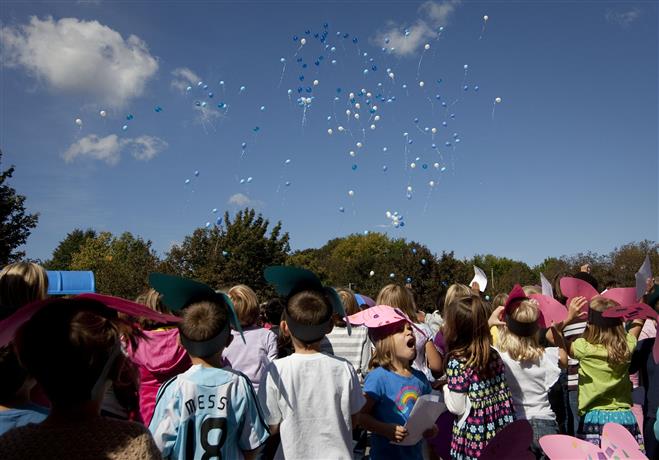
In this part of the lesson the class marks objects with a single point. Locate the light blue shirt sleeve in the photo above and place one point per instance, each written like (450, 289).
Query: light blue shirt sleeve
(253, 429)
(166, 418)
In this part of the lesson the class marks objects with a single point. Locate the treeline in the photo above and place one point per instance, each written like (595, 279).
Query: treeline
(238, 250)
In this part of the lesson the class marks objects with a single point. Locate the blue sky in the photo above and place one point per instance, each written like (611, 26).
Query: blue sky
(567, 162)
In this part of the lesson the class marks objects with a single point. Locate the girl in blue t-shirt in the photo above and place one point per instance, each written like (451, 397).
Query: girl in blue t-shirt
(392, 387)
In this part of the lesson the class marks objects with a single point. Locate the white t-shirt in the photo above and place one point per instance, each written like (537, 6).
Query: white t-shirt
(312, 397)
(530, 383)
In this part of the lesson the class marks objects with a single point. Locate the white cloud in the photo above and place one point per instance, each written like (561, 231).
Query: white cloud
(622, 18)
(405, 41)
(184, 77)
(80, 57)
(109, 148)
(239, 200)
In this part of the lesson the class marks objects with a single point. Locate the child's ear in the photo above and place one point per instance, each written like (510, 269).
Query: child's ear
(284, 328)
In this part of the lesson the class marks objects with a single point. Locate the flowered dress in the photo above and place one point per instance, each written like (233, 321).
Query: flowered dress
(490, 401)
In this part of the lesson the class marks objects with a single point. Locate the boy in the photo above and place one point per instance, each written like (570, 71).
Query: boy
(206, 412)
(310, 398)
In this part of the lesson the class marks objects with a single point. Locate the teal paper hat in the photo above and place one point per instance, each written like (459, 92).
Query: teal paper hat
(178, 293)
(288, 281)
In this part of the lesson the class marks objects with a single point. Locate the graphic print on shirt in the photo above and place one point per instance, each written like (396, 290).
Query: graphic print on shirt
(212, 430)
(406, 399)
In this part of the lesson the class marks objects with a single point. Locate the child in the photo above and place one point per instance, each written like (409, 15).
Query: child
(158, 357)
(354, 346)
(252, 356)
(392, 386)
(206, 412)
(310, 398)
(605, 391)
(72, 347)
(531, 370)
(476, 391)
(428, 359)
(20, 284)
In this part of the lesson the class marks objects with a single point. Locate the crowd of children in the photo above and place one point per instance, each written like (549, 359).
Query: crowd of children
(188, 372)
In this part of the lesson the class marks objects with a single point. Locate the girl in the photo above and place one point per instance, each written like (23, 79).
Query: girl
(355, 348)
(476, 390)
(605, 391)
(427, 358)
(158, 356)
(392, 386)
(530, 369)
(252, 356)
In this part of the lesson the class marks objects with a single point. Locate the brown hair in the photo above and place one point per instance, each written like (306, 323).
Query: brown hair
(398, 297)
(203, 320)
(614, 338)
(67, 344)
(152, 299)
(309, 308)
(20, 284)
(522, 348)
(466, 333)
(499, 300)
(246, 304)
(384, 347)
(350, 305)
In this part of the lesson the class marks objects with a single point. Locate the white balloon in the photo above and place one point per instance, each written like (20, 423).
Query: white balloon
(412, 165)
(358, 106)
(388, 214)
(497, 100)
(103, 113)
(359, 145)
(427, 46)
(78, 122)
(369, 95)
(351, 96)
(376, 118)
(351, 193)
(356, 116)
(409, 188)
(371, 273)
(375, 108)
(348, 112)
(303, 41)
(391, 75)
(329, 131)
(436, 166)
(315, 82)
(431, 183)
(340, 128)
(352, 153)
(434, 130)
(373, 127)
(421, 84)
(486, 17)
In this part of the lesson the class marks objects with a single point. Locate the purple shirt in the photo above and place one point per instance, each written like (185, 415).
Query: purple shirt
(253, 357)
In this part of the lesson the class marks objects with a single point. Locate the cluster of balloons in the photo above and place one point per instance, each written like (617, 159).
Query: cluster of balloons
(396, 219)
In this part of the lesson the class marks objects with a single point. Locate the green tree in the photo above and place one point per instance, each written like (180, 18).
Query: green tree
(507, 273)
(15, 224)
(627, 259)
(236, 252)
(67, 248)
(120, 264)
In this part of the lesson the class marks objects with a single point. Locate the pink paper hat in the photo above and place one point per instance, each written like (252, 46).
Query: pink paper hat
(515, 297)
(551, 310)
(616, 442)
(379, 317)
(9, 326)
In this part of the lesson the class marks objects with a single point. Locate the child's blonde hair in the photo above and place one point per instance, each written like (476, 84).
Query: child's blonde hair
(20, 284)
(522, 348)
(613, 338)
(152, 299)
(398, 297)
(384, 346)
(246, 304)
(350, 305)
(532, 289)
(453, 292)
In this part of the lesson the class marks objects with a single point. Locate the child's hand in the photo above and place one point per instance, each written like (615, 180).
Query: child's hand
(439, 383)
(431, 432)
(574, 308)
(495, 317)
(396, 433)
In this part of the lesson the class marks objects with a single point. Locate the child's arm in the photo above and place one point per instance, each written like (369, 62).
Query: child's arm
(559, 340)
(456, 403)
(390, 431)
(573, 311)
(636, 327)
(434, 358)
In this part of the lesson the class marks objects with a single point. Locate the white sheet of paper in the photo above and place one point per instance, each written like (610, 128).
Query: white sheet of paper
(425, 413)
(479, 277)
(547, 289)
(642, 276)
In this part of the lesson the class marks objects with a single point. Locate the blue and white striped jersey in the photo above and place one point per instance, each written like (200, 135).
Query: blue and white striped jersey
(207, 413)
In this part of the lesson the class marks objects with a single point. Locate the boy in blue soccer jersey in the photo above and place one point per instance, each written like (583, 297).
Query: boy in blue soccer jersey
(207, 412)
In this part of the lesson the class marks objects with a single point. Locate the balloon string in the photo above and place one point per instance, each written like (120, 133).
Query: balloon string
(281, 77)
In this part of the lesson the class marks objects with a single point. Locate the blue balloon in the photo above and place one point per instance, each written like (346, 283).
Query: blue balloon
(301, 78)
(282, 60)
(354, 40)
(187, 181)
(304, 66)
(341, 209)
(444, 124)
(354, 167)
(244, 145)
(210, 95)
(196, 173)
(423, 261)
(218, 222)
(408, 280)
(384, 168)
(443, 104)
(294, 38)
(129, 117)
(413, 250)
(402, 224)
(158, 109)
(287, 183)
(424, 166)
(205, 86)
(465, 87)
(208, 224)
(476, 88)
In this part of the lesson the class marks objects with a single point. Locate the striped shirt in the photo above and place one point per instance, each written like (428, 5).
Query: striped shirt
(572, 332)
(354, 348)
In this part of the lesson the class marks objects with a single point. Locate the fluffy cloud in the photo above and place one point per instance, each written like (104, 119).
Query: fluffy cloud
(623, 18)
(239, 199)
(432, 16)
(80, 56)
(109, 148)
(184, 77)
